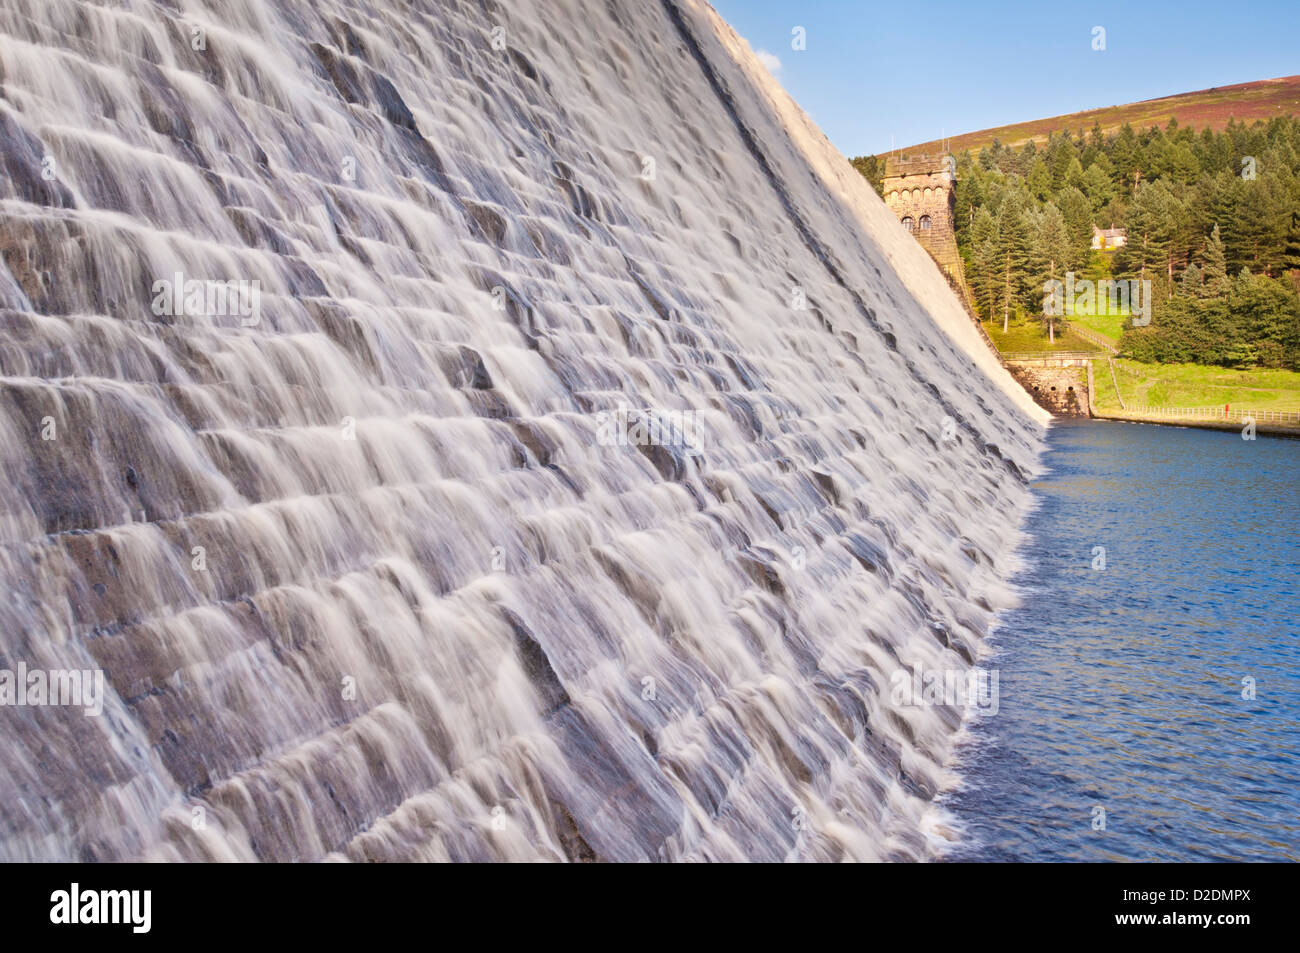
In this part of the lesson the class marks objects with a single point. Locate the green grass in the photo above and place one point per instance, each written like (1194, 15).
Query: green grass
(1109, 326)
(1032, 336)
(1194, 385)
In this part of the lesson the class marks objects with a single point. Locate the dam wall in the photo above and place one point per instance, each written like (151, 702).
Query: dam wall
(471, 431)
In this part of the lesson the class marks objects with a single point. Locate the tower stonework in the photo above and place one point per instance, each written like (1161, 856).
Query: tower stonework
(921, 191)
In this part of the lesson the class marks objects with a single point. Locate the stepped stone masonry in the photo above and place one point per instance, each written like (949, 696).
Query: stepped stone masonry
(921, 191)
(491, 512)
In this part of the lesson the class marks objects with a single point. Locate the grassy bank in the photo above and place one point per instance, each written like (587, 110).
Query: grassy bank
(1109, 326)
(1032, 336)
(1155, 385)
(1194, 385)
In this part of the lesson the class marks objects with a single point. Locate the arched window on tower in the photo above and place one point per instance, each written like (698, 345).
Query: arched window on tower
(908, 223)
(925, 223)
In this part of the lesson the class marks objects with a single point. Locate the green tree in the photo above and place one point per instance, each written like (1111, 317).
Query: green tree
(1050, 257)
(871, 168)
(1291, 248)
(1097, 187)
(1074, 176)
(1152, 226)
(983, 260)
(1258, 225)
(1039, 179)
(1012, 254)
(1216, 268)
(1184, 165)
(1078, 224)
(1266, 320)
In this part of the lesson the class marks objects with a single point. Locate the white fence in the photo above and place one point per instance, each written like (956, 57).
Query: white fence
(1227, 413)
(1052, 355)
(1093, 337)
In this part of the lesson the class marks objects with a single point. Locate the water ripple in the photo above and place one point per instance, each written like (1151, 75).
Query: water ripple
(1122, 688)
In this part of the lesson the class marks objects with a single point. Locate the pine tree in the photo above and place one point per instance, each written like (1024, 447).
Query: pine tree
(983, 259)
(1152, 225)
(1258, 225)
(1012, 254)
(1078, 224)
(1051, 254)
(1097, 186)
(1291, 248)
(986, 252)
(1225, 194)
(1216, 267)
(1073, 175)
(1061, 155)
(971, 194)
(1039, 179)
(1184, 167)
(1125, 152)
(871, 168)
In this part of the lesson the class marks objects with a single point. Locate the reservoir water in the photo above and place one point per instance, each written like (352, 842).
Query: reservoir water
(1126, 727)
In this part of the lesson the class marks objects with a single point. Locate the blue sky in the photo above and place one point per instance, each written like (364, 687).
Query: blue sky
(914, 70)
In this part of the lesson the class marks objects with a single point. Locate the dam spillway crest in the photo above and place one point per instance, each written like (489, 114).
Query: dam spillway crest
(465, 431)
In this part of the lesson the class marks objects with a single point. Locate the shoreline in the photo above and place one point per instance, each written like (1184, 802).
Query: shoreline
(1262, 428)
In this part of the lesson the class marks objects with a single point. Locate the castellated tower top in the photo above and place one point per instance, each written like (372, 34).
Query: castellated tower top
(938, 164)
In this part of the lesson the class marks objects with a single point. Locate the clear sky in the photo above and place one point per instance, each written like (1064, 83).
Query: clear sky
(915, 70)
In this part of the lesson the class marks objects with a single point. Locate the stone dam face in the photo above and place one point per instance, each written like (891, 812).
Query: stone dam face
(458, 431)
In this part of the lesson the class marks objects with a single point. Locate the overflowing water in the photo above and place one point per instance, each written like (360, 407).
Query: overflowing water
(1149, 701)
(455, 430)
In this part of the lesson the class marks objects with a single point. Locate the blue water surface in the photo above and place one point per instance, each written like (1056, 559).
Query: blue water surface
(1121, 688)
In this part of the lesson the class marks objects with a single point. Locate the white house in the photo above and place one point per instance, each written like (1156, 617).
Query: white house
(1108, 239)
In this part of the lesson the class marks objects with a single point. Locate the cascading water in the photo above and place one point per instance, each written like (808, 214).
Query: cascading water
(576, 450)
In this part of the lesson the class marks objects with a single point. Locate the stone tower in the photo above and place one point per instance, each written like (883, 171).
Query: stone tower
(921, 191)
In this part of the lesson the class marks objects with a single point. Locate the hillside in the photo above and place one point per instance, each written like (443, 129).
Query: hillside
(1204, 109)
